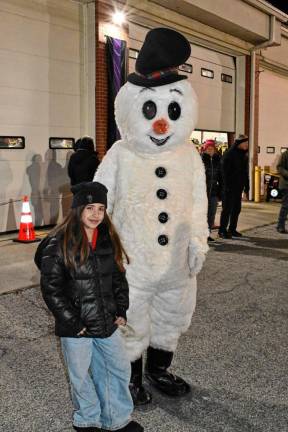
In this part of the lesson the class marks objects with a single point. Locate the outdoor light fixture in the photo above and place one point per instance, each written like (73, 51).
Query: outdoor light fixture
(118, 17)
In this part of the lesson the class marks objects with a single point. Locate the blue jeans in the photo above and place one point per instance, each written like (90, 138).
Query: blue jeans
(99, 373)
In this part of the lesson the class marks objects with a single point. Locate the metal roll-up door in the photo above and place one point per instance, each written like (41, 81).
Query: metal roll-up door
(273, 114)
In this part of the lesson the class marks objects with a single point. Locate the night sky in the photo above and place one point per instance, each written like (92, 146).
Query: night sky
(280, 4)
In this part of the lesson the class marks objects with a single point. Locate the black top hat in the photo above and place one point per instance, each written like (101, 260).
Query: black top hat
(157, 63)
(88, 193)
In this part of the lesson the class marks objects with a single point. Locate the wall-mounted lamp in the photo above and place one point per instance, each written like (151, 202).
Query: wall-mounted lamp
(118, 17)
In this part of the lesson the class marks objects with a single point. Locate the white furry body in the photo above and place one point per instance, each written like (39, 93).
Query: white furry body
(161, 279)
(162, 290)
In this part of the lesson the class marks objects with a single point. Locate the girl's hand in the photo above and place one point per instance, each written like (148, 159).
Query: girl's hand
(120, 321)
(82, 332)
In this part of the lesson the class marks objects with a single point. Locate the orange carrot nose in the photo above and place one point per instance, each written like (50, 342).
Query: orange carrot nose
(160, 126)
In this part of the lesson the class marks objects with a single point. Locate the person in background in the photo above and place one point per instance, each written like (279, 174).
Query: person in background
(282, 168)
(212, 163)
(235, 180)
(83, 284)
(76, 145)
(84, 162)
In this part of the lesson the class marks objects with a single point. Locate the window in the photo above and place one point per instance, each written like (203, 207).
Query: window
(283, 149)
(12, 142)
(226, 78)
(186, 67)
(270, 149)
(133, 53)
(61, 143)
(207, 73)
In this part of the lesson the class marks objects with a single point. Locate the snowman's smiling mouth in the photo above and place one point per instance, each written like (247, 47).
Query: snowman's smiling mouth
(159, 141)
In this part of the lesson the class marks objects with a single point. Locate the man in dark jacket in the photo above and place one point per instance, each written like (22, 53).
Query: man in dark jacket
(84, 162)
(235, 181)
(283, 186)
(212, 164)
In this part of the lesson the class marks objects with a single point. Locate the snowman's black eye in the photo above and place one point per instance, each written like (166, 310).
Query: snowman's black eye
(149, 110)
(174, 110)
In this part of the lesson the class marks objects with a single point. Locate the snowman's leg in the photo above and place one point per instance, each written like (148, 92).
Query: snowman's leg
(137, 336)
(171, 314)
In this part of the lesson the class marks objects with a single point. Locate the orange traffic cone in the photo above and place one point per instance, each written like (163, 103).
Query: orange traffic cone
(26, 230)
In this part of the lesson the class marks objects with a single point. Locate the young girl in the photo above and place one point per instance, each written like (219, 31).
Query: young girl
(83, 284)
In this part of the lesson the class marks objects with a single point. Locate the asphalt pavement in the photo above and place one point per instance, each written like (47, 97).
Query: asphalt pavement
(234, 354)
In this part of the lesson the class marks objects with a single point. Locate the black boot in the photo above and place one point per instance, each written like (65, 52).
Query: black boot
(234, 233)
(224, 234)
(158, 361)
(139, 394)
(133, 426)
(87, 429)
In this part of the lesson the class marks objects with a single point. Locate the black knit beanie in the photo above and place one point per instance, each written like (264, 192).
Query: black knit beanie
(88, 193)
(241, 139)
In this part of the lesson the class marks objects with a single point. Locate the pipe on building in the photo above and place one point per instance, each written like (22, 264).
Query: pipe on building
(257, 184)
(270, 42)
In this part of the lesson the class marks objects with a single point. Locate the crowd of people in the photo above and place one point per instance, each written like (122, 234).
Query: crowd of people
(227, 178)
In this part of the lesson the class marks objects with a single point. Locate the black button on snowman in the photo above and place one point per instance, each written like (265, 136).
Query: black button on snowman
(161, 194)
(160, 172)
(163, 240)
(163, 217)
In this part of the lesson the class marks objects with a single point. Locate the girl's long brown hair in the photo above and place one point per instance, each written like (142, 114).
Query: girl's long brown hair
(75, 240)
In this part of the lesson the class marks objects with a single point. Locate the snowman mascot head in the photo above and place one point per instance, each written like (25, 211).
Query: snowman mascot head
(157, 109)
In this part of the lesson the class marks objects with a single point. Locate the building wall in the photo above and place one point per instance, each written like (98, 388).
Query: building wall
(273, 114)
(277, 55)
(104, 27)
(235, 17)
(40, 92)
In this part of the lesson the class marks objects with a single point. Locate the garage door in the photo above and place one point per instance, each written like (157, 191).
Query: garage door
(272, 128)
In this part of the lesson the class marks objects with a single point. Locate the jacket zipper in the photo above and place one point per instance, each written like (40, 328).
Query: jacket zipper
(97, 262)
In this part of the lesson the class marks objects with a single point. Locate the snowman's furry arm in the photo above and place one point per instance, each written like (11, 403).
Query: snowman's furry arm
(199, 227)
(107, 174)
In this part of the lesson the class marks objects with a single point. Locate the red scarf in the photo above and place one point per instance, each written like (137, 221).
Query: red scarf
(94, 239)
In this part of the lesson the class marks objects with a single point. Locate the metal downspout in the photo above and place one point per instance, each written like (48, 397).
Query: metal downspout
(270, 42)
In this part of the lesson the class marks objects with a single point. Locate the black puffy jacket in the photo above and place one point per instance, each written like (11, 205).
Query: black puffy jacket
(213, 174)
(92, 296)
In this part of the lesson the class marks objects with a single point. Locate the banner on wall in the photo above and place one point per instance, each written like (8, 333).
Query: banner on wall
(117, 73)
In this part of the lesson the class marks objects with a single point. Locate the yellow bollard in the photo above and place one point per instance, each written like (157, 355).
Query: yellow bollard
(257, 184)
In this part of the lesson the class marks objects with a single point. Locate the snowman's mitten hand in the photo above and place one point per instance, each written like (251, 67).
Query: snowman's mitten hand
(196, 258)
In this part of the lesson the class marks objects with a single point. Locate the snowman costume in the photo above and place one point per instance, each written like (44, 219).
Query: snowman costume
(157, 200)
